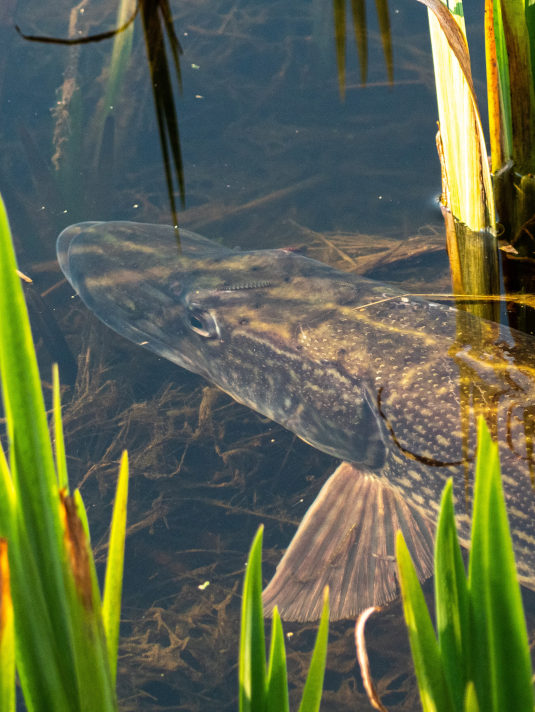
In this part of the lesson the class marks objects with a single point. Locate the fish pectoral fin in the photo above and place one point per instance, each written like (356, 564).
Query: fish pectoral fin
(347, 541)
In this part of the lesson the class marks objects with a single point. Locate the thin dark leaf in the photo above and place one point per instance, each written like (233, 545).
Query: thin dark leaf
(79, 40)
(386, 36)
(358, 12)
(339, 14)
(162, 88)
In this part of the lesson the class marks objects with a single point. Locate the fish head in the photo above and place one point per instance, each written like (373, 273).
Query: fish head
(149, 284)
(241, 319)
(184, 299)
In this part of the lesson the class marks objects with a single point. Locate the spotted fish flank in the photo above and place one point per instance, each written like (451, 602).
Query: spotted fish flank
(390, 384)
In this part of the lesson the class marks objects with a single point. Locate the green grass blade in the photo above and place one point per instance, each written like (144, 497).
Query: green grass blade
(7, 636)
(61, 460)
(310, 702)
(30, 452)
(33, 528)
(499, 95)
(41, 670)
(470, 699)
(451, 596)
(520, 87)
(90, 645)
(502, 666)
(61, 651)
(82, 512)
(487, 455)
(277, 679)
(252, 666)
(7, 497)
(434, 692)
(111, 605)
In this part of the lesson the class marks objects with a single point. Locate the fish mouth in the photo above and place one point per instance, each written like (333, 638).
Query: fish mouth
(135, 278)
(64, 242)
(130, 243)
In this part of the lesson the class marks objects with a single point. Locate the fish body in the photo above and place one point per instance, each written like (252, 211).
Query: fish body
(390, 383)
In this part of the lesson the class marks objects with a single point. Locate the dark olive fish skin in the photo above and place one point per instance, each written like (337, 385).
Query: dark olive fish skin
(387, 382)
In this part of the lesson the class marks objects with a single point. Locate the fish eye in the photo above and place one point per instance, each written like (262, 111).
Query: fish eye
(202, 323)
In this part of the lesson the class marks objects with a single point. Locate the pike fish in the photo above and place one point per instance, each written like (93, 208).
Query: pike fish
(389, 383)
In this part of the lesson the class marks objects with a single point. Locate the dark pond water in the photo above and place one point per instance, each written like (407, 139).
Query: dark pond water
(272, 157)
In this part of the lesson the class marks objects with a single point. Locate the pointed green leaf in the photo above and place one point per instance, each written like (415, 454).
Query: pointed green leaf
(310, 702)
(451, 596)
(434, 692)
(35, 534)
(30, 452)
(61, 649)
(111, 605)
(470, 699)
(7, 636)
(277, 680)
(252, 667)
(82, 512)
(61, 460)
(502, 665)
(91, 658)
(7, 497)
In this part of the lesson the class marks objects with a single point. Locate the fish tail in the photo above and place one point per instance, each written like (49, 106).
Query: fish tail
(347, 541)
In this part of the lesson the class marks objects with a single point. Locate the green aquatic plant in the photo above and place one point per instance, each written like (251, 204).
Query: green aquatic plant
(54, 627)
(467, 198)
(479, 205)
(467, 187)
(479, 658)
(478, 191)
(510, 50)
(265, 688)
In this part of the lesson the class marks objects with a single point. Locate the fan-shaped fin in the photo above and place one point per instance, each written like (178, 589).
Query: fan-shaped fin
(347, 541)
